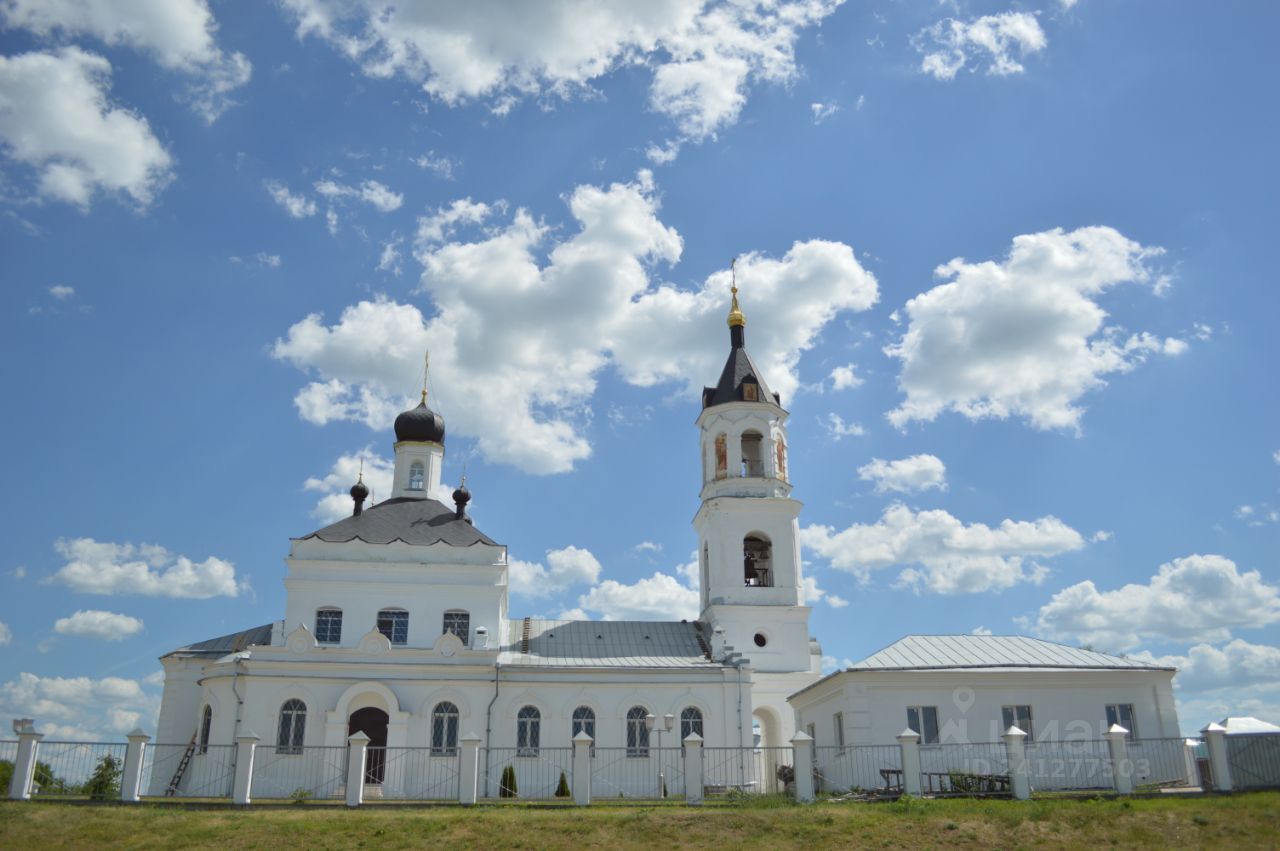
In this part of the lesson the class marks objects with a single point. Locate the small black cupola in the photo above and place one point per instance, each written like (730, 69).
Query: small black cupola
(461, 497)
(359, 493)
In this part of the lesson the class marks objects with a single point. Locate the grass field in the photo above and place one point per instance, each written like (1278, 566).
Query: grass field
(1237, 821)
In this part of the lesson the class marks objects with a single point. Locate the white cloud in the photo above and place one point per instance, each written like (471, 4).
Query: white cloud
(823, 111)
(949, 44)
(272, 261)
(1257, 516)
(980, 630)
(1275, 456)
(389, 260)
(1196, 598)
(101, 567)
(297, 206)
(441, 165)
(704, 56)
(1101, 536)
(810, 593)
(6, 634)
(94, 623)
(566, 567)
(61, 292)
(336, 501)
(647, 547)
(179, 34)
(1236, 665)
(907, 475)
(844, 377)
(660, 597)
(1023, 337)
(831, 664)
(536, 334)
(952, 558)
(379, 195)
(78, 707)
(839, 429)
(55, 117)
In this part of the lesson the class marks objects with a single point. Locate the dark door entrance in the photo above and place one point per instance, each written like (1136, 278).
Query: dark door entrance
(373, 723)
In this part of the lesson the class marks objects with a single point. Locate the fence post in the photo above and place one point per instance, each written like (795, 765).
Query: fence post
(1215, 736)
(1189, 761)
(357, 744)
(246, 746)
(802, 765)
(468, 768)
(693, 786)
(24, 764)
(909, 744)
(582, 768)
(1121, 767)
(131, 777)
(1016, 753)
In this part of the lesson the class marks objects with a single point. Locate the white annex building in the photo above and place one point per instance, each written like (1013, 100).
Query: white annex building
(397, 625)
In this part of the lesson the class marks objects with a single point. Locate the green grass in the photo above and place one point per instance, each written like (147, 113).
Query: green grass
(1237, 821)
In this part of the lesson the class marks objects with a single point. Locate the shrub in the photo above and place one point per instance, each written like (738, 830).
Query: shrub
(507, 786)
(562, 788)
(105, 782)
(300, 795)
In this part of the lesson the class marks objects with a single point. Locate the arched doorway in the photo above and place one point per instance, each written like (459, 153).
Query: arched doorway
(373, 723)
(771, 752)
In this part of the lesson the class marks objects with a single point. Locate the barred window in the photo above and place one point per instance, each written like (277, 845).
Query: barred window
(292, 728)
(329, 626)
(690, 722)
(528, 731)
(206, 722)
(444, 730)
(394, 624)
(637, 732)
(458, 622)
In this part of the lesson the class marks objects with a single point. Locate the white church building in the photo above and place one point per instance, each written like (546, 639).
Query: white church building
(397, 625)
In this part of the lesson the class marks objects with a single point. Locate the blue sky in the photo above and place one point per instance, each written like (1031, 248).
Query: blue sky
(1009, 264)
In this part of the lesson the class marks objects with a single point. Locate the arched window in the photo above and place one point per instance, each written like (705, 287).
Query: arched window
(329, 626)
(528, 731)
(458, 622)
(584, 721)
(637, 732)
(394, 624)
(757, 561)
(416, 476)
(444, 730)
(206, 722)
(752, 454)
(292, 728)
(690, 722)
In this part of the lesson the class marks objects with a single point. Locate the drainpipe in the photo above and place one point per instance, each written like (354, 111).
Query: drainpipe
(235, 728)
(741, 768)
(488, 723)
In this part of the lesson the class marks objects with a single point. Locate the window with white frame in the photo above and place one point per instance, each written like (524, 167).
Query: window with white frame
(292, 727)
(528, 731)
(924, 720)
(444, 729)
(417, 474)
(1122, 714)
(394, 624)
(690, 722)
(637, 732)
(838, 720)
(458, 622)
(329, 626)
(584, 721)
(1017, 716)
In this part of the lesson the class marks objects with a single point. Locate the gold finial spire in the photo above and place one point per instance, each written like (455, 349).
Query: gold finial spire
(736, 319)
(360, 478)
(426, 373)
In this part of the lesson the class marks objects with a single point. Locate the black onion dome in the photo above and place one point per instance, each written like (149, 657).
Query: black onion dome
(462, 496)
(360, 491)
(420, 424)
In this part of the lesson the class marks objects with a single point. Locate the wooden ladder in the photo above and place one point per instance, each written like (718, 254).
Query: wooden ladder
(182, 768)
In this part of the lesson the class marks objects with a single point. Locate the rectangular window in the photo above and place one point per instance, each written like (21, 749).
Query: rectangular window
(1122, 714)
(329, 626)
(812, 730)
(458, 623)
(1017, 716)
(838, 719)
(394, 625)
(924, 720)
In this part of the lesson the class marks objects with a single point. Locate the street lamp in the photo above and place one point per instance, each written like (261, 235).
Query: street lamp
(650, 723)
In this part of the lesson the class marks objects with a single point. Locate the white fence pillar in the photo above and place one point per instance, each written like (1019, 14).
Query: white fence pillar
(357, 744)
(24, 764)
(693, 785)
(468, 768)
(246, 748)
(802, 765)
(131, 777)
(1016, 752)
(1215, 737)
(909, 744)
(1191, 764)
(582, 768)
(1121, 766)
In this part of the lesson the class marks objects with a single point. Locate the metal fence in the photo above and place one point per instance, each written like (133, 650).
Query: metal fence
(1083, 764)
(1159, 762)
(209, 772)
(857, 767)
(971, 768)
(1254, 759)
(299, 773)
(637, 773)
(412, 774)
(78, 769)
(528, 774)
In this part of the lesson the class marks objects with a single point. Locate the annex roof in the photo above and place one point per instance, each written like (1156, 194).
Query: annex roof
(1238, 724)
(949, 652)
(604, 644)
(224, 644)
(414, 521)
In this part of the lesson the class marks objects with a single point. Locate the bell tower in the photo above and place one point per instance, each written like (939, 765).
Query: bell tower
(748, 530)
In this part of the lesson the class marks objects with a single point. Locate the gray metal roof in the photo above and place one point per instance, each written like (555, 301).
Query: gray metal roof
(605, 644)
(414, 521)
(940, 652)
(233, 643)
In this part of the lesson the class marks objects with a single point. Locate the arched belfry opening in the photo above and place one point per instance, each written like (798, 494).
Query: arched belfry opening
(757, 561)
(752, 454)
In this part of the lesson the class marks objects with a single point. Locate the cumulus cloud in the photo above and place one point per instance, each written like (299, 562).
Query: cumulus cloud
(1196, 598)
(94, 623)
(1236, 665)
(297, 206)
(335, 487)
(535, 334)
(940, 554)
(660, 597)
(56, 119)
(810, 594)
(565, 568)
(178, 34)
(1024, 337)
(838, 429)
(906, 475)
(102, 567)
(844, 377)
(998, 40)
(704, 56)
(378, 195)
(79, 707)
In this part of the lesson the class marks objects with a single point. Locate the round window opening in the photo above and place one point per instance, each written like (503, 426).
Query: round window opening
(761, 641)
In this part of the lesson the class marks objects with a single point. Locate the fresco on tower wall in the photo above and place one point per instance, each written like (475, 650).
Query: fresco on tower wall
(722, 456)
(781, 451)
